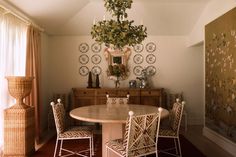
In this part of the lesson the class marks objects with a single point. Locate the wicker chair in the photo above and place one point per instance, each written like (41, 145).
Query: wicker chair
(140, 138)
(172, 130)
(73, 133)
(171, 100)
(117, 101)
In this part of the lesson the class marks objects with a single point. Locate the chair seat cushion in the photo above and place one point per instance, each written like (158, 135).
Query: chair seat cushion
(117, 146)
(167, 132)
(76, 132)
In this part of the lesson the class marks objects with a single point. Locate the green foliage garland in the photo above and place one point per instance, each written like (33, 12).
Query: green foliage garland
(118, 33)
(118, 7)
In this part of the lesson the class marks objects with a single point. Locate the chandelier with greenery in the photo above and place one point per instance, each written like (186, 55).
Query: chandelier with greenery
(119, 32)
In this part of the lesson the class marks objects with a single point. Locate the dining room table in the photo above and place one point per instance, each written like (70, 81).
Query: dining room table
(112, 118)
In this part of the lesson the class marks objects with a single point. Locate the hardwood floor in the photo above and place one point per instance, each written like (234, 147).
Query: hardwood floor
(194, 135)
(206, 146)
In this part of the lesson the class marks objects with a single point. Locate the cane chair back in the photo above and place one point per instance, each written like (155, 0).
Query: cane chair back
(117, 101)
(171, 100)
(176, 115)
(64, 99)
(173, 130)
(59, 117)
(73, 133)
(140, 138)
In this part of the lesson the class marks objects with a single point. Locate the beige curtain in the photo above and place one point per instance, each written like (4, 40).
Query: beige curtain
(33, 65)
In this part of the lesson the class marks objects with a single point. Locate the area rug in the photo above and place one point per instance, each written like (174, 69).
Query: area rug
(188, 149)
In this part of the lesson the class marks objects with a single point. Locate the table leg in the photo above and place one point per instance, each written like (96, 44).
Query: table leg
(110, 131)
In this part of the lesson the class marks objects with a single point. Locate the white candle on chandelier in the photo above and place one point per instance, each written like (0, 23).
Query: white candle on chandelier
(122, 18)
(141, 22)
(94, 21)
(104, 17)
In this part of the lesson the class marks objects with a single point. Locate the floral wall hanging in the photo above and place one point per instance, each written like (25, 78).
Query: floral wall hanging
(220, 75)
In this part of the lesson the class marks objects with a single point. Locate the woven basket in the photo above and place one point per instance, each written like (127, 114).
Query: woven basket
(19, 132)
(19, 120)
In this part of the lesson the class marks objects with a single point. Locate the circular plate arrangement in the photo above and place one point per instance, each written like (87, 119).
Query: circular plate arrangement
(151, 70)
(151, 59)
(138, 48)
(96, 70)
(83, 47)
(138, 59)
(83, 70)
(137, 70)
(150, 47)
(83, 59)
(96, 47)
(96, 59)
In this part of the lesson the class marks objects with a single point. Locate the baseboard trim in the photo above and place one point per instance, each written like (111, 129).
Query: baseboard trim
(224, 143)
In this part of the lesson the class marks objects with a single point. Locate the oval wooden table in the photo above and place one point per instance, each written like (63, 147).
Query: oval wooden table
(112, 118)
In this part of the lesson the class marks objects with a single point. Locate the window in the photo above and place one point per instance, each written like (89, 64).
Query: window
(12, 57)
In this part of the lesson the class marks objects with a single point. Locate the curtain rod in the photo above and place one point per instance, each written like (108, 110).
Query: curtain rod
(27, 21)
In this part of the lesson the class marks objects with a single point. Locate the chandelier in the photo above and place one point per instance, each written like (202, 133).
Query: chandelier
(118, 32)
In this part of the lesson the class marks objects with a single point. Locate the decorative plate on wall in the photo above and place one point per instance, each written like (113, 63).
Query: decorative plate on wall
(96, 47)
(137, 70)
(151, 70)
(138, 59)
(83, 70)
(83, 59)
(96, 59)
(96, 70)
(150, 47)
(138, 48)
(151, 58)
(83, 47)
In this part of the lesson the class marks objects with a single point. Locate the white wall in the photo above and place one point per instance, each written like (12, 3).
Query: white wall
(179, 69)
(45, 83)
(213, 10)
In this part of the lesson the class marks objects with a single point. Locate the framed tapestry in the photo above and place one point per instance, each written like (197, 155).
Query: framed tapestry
(220, 75)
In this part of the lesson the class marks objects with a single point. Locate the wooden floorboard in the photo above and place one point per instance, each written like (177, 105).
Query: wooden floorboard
(47, 150)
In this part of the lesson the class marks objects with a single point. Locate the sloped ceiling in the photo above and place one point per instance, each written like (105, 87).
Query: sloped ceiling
(75, 17)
